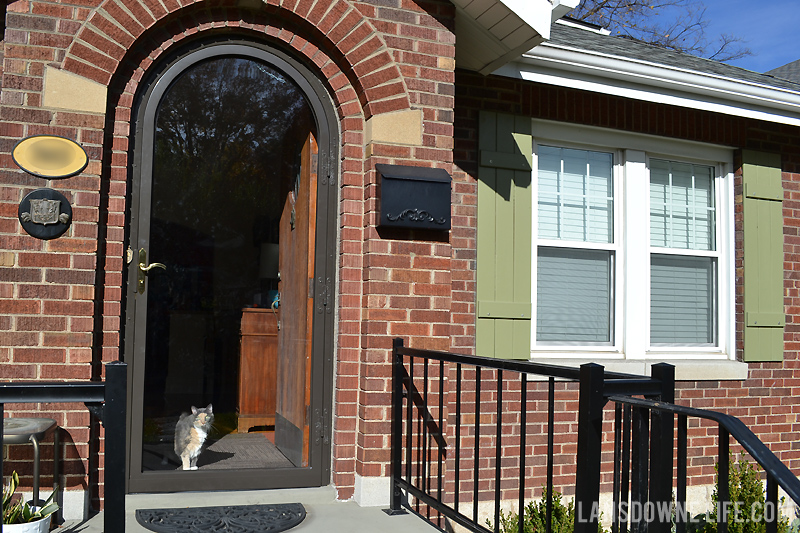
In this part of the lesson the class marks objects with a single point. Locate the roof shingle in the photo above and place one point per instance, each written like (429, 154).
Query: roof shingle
(589, 41)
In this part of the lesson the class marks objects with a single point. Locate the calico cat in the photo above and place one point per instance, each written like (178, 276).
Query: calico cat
(190, 434)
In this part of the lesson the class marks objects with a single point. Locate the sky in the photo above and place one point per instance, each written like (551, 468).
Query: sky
(770, 29)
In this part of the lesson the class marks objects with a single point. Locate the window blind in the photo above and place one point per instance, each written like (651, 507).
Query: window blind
(682, 299)
(574, 295)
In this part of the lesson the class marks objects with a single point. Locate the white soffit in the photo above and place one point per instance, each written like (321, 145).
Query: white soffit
(652, 82)
(490, 33)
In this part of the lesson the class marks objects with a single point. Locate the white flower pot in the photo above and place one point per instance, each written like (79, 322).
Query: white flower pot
(39, 526)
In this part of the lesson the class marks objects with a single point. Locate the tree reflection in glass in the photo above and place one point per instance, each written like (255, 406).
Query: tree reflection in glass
(226, 153)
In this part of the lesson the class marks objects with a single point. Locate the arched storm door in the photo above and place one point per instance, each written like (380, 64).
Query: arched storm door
(230, 278)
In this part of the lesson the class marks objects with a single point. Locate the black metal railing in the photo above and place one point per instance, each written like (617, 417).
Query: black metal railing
(105, 399)
(420, 392)
(631, 462)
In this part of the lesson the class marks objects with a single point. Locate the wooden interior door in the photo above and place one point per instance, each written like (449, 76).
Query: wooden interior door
(296, 264)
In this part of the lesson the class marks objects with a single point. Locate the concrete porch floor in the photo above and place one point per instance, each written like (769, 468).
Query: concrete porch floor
(323, 512)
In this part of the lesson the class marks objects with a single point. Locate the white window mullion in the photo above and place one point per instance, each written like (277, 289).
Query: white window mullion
(562, 191)
(693, 207)
(724, 234)
(586, 207)
(670, 201)
(636, 254)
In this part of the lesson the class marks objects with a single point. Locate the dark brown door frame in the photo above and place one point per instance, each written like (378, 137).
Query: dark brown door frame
(319, 471)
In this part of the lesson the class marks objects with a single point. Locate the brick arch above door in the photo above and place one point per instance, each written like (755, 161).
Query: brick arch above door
(108, 34)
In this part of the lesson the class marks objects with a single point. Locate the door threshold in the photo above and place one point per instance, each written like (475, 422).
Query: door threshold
(311, 495)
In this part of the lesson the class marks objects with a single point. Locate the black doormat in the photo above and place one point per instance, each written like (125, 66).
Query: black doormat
(234, 518)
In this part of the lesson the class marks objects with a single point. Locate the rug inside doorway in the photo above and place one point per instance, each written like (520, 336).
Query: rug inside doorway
(270, 518)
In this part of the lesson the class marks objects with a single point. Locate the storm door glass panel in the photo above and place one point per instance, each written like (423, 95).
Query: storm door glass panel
(229, 134)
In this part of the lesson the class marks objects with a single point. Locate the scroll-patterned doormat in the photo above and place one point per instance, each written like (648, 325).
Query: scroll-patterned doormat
(264, 518)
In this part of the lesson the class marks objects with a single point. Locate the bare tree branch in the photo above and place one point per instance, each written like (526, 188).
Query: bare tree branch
(679, 25)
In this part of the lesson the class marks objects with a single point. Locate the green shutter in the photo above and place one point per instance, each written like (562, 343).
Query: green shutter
(763, 257)
(504, 237)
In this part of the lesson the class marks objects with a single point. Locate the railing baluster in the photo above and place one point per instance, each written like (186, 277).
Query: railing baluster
(626, 462)
(410, 419)
(426, 481)
(523, 431)
(440, 432)
(723, 490)
(498, 450)
(617, 468)
(458, 435)
(551, 414)
(476, 454)
(639, 465)
(418, 440)
(683, 437)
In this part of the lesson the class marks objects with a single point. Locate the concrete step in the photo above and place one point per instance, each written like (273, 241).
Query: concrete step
(324, 512)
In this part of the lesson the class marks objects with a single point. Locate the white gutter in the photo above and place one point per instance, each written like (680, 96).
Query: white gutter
(631, 78)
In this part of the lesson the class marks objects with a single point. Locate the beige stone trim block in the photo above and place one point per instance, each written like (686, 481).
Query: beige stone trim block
(446, 63)
(400, 127)
(7, 259)
(64, 90)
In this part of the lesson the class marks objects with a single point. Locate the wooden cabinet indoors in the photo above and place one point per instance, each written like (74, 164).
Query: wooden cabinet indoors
(257, 368)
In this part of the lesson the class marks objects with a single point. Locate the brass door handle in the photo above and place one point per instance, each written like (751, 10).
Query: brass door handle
(143, 269)
(147, 268)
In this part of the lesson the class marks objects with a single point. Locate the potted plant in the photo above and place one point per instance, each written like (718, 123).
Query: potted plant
(19, 517)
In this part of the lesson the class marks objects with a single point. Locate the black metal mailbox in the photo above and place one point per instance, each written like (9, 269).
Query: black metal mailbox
(414, 197)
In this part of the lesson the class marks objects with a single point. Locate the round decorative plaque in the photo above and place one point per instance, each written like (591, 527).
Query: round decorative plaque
(49, 156)
(45, 214)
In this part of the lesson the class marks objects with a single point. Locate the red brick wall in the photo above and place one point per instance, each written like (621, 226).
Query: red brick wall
(62, 299)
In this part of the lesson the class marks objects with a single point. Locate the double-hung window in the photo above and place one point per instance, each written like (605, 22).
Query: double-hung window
(633, 244)
(683, 254)
(577, 248)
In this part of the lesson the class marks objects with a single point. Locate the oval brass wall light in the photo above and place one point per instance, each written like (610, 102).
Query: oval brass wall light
(50, 156)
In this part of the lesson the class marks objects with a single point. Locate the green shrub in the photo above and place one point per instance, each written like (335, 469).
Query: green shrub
(746, 489)
(535, 518)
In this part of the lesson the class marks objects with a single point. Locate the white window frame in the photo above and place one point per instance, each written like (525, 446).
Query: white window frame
(631, 349)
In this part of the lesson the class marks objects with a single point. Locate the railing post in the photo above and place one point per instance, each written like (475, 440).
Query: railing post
(661, 449)
(115, 423)
(590, 432)
(395, 501)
